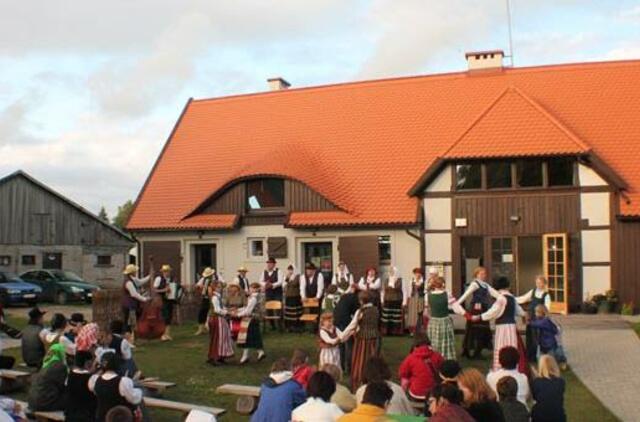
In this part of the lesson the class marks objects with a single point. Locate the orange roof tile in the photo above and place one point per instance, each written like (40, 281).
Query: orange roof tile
(363, 145)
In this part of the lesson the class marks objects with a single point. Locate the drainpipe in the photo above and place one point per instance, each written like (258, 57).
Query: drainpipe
(419, 237)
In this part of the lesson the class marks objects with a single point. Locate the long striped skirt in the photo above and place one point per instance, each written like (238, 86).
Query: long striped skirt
(415, 306)
(442, 336)
(292, 310)
(220, 342)
(363, 349)
(391, 320)
(507, 335)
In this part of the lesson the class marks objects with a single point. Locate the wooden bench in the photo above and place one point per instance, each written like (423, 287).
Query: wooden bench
(248, 396)
(185, 408)
(156, 386)
(49, 416)
(14, 375)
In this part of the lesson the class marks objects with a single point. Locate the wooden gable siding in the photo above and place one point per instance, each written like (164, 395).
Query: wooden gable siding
(626, 262)
(33, 216)
(540, 213)
(298, 197)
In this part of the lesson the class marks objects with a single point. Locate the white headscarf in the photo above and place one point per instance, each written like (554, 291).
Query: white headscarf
(342, 273)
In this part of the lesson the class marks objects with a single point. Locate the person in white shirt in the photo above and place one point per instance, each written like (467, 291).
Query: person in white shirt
(509, 358)
(534, 297)
(342, 278)
(250, 336)
(242, 280)
(203, 285)
(55, 334)
(318, 407)
(169, 289)
(131, 298)
(371, 283)
(272, 281)
(311, 283)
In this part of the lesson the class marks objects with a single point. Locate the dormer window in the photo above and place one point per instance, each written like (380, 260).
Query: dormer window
(265, 194)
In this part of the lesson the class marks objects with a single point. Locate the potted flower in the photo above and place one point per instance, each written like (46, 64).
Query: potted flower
(589, 306)
(600, 302)
(611, 298)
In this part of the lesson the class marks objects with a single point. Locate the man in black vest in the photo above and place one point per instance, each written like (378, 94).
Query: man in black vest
(311, 283)
(271, 281)
(342, 316)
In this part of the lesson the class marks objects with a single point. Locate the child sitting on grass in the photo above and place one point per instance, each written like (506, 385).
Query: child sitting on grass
(512, 408)
(550, 336)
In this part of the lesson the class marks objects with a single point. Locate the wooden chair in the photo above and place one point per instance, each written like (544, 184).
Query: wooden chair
(311, 308)
(273, 312)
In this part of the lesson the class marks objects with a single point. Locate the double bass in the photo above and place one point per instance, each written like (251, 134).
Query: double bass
(151, 324)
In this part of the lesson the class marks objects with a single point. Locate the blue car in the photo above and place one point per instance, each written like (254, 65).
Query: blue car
(14, 290)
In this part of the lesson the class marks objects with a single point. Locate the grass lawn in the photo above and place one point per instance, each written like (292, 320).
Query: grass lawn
(636, 328)
(183, 361)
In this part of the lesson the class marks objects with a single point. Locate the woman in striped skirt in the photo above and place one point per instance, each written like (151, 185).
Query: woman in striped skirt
(440, 329)
(220, 342)
(392, 300)
(504, 311)
(364, 327)
(292, 299)
(415, 302)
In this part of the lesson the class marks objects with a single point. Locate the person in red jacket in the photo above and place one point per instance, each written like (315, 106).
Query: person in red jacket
(302, 371)
(419, 371)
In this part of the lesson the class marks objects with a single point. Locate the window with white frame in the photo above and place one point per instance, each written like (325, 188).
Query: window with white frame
(256, 248)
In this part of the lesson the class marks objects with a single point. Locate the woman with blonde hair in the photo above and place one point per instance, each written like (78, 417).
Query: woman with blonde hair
(479, 399)
(547, 389)
(437, 303)
(539, 295)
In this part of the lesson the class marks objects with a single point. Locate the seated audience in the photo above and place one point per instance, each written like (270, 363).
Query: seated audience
(445, 404)
(479, 398)
(80, 404)
(512, 409)
(509, 358)
(47, 392)
(318, 407)
(119, 414)
(113, 390)
(449, 371)
(76, 322)
(548, 392)
(302, 371)
(279, 395)
(342, 397)
(56, 334)
(375, 402)
(122, 348)
(419, 371)
(87, 339)
(33, 350)
(376, 369)
(11, 410)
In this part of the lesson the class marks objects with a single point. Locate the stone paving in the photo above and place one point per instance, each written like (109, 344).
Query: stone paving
(604, 353)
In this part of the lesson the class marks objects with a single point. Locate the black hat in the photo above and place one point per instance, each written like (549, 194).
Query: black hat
(271, 260)
(36, 313)
(77, 318)
(310, 266)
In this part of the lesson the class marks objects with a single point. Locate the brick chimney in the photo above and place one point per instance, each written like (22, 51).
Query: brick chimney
(278, 84)
(492, 59)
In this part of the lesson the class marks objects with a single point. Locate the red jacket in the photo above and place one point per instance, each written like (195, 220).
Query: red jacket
(416, 369)
(302, 375)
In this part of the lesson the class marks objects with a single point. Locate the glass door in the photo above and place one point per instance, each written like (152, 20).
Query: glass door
(320, 254)
(555, 253)
(205, 256)
(502, 259)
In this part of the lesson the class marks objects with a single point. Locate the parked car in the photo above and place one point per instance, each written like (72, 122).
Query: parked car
(15, 290)
(61, 286)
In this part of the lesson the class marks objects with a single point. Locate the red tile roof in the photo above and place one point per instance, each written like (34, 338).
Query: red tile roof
(363, 145)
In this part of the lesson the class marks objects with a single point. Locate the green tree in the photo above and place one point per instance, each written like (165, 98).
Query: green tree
(122, 216)
(103, 214)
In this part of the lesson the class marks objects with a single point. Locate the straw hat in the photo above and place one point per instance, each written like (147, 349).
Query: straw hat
(208, 272)
(165, 268)
(243, 269)
(130, 269)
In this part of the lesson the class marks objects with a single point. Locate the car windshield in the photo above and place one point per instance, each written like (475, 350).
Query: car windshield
(8, 278)
(65, 275)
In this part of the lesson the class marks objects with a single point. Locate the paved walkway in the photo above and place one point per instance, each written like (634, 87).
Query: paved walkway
(605, 354)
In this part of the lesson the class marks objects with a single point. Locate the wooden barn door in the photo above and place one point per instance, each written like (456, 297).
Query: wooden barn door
(555, 255)
(359, 253)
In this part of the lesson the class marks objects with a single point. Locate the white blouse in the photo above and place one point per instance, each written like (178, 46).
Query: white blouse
(368, 283)
(125, 388)
(498, 307)
(251, 304)
(528, 297)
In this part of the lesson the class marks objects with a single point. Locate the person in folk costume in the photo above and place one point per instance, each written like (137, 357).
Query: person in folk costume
(364, 328)
(477, 334)
(233, 300)
(371, 282)
(167, 286)
(207, 278)
(328, 341)
(534, 297)
(242, 280)
(292, 299)
(220, 342)
(131, 298)
(504, 311)
(392, 299)
(342, 278)
(271, 281)
(343, 314)
(415, 302)
(250, 336)
(432, 274)
(438, 302)
(312, 284)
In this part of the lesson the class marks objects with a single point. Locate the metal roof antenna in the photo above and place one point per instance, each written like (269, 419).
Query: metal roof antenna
(510, 35)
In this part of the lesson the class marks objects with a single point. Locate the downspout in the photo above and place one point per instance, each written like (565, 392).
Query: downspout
(419, 237)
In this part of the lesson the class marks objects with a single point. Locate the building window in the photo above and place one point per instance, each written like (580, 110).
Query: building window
(529, 173)
(468, 176)
(265, 194)
(28, 260)
(103, 261)
(560, 171)
(256, 248)
(498, 174)
(5, 260)
(384, 250)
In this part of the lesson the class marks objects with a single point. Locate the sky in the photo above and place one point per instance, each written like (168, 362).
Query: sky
(90, 90)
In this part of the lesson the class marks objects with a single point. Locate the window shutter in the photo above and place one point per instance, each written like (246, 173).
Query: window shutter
(277, 247)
